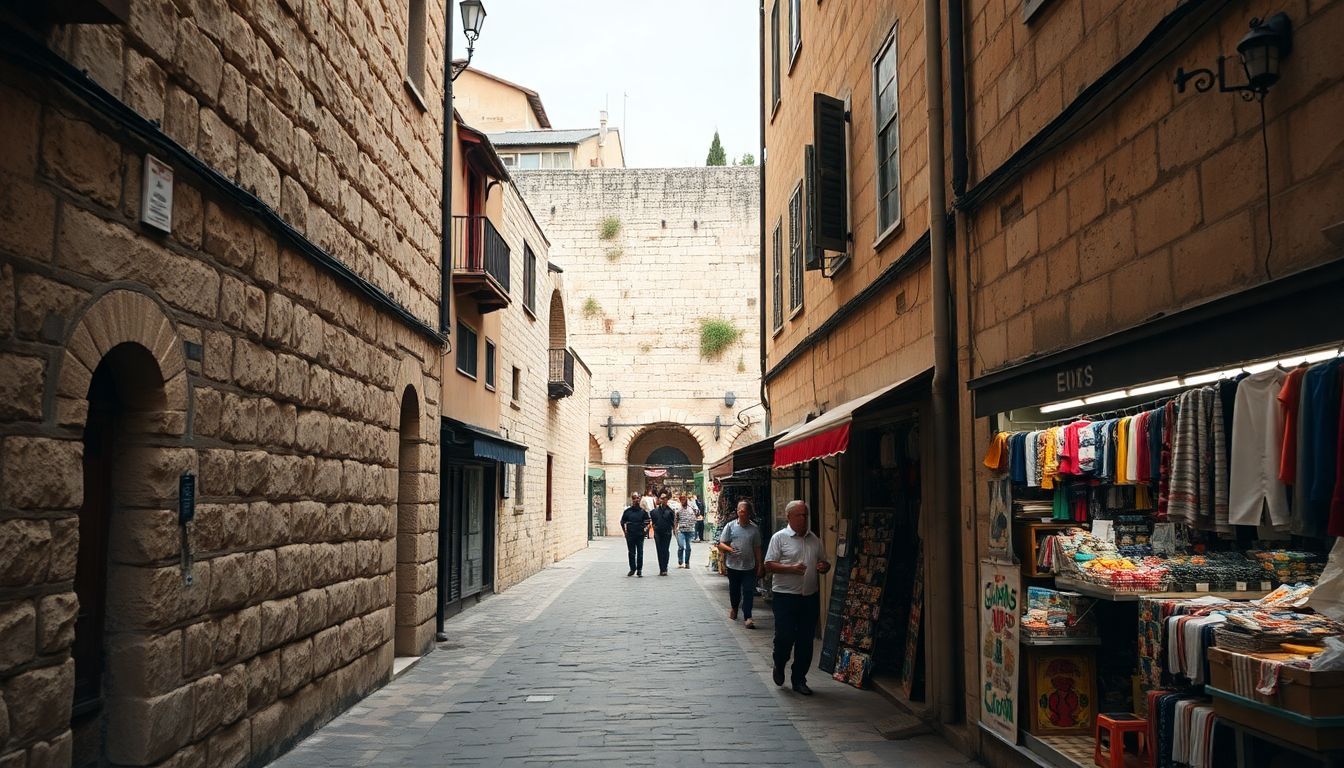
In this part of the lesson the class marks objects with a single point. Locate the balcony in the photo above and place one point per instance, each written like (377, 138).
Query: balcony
(480, 262)
(561, 381)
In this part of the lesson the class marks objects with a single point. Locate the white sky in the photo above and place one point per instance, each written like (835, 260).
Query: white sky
(688, 66)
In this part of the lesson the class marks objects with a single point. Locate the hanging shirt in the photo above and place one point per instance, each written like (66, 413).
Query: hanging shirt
(1122, 451)
(1049, 458)
(1141, 471)
(1018, 458)
(996, 458)
(1132, 446)
(1290, 397)
(1031, 468)
(1321, 384)
(1256, 451)
(1155, 446)
(1087, 448)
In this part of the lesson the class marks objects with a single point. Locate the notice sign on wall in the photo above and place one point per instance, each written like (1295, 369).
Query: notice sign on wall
(156, 194)
(1000, 611)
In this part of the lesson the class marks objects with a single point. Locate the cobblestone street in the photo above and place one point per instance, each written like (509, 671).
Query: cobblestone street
(580, 665)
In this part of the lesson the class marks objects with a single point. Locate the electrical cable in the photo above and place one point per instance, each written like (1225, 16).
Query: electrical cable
(1269, 211)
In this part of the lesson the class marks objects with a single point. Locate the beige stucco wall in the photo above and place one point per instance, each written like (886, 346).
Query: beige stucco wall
(593, 153)
(687, 249)
(489, 105)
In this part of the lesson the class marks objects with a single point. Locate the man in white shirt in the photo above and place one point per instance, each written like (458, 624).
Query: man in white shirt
(794, 557)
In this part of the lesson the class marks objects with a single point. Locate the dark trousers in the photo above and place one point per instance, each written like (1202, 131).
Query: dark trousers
(795, 626)
(699, 530)
(662, 542)
(634, 546)
(741, 590)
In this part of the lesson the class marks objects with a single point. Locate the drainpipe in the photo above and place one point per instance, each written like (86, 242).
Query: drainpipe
(956, 86)
(760, 161)
(445, 288)
(944, 592)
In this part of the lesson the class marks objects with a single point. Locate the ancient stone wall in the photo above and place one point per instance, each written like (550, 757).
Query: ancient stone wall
(307, 413)
(648, 254)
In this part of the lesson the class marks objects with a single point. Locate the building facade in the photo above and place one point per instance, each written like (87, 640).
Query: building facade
(1124, 238)
(263, 353)
(664, 405)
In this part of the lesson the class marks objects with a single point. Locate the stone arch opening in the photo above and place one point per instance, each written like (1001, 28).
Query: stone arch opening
(126, 476)
(559, 336)
(405, 589)
(664, 455)
(594, 452)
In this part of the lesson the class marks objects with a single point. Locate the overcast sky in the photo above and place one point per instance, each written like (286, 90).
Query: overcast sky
(688, 67)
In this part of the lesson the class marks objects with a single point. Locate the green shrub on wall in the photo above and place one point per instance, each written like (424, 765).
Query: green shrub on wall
(614, 254)
(717, 335)
(611, 227)
(591, 308)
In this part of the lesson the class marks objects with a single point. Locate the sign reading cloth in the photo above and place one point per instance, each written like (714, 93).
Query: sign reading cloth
(1000, 598)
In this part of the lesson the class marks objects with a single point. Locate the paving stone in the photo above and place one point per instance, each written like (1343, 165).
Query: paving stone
(580, 665)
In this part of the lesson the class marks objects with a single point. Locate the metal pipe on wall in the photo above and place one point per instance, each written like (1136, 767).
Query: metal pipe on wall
(760, 164)
(445, 283)
(943, 586)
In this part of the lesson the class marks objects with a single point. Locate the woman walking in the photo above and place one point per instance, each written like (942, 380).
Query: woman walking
(740, 542)
(685, 532)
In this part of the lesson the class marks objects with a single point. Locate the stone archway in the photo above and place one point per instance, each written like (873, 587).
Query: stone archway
(122, 381)
(594, 452)
(412, 548)
(664, 447)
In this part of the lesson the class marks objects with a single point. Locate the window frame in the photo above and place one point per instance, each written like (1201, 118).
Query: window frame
(777, 285)
(491, 360)
(529, 280)
(461, 348)
(516, 385)
(796, 265)
(775, 85)
(414, 75)
(885, 228)
(795, 31)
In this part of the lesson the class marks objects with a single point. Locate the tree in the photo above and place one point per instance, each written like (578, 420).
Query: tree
(747, 159)
(716, 153)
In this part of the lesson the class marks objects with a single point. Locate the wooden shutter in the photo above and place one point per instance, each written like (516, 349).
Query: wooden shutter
(811, 253)
(830, 173)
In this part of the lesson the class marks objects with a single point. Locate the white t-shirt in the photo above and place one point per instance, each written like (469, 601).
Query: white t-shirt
(788, 548)
(648, 503)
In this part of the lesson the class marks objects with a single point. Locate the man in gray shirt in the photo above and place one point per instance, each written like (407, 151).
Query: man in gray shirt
(794, 557)
(740, 543)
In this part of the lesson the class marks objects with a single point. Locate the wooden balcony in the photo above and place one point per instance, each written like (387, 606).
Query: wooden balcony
(561, 380)
(480, 262)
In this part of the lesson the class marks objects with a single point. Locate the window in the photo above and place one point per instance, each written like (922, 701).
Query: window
(795, 29)
(517, 385)
(415, 51)
(529, 280)
(533, 161)
(774, 55)
(466, 349)
(796, 248)
(489, 365)
(509, 161)
(778, 285)
(888, 136)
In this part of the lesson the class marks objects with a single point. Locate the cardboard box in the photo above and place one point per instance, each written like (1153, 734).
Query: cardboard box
(1302, 691)
(1319, 734)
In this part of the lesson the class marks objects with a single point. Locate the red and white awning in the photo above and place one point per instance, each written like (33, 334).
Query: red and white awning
(828, 434)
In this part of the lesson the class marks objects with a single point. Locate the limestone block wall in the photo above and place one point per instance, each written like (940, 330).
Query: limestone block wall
(526, 540)
(685, 248)
(307, 413)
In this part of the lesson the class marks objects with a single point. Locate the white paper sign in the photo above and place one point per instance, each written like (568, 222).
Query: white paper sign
(156, 194)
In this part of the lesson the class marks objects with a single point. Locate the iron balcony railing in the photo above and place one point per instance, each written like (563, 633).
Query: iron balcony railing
(479, 250)
(562, 373)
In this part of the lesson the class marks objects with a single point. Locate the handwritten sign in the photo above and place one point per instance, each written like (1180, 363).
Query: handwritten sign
(1000, 611)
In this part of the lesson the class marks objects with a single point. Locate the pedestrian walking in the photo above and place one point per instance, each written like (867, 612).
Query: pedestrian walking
(794, 557)
(664, 520)
(685, 531)
(740, 543)
(634, 524)
(699, 519)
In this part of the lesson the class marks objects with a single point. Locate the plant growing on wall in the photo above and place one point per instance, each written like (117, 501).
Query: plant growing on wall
(741, 365)
(591, 308)
(716, 335)
(645, 348)
(615, 253)
(610, 228)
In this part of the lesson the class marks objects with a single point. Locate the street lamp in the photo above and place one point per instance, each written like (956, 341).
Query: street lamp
(473, 18)
(1260, 51)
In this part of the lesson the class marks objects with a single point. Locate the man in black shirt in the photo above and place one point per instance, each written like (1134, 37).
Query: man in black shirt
(664, 520)
(634, 523)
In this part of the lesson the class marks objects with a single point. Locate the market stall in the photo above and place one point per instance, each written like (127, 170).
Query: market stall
(1152, 562)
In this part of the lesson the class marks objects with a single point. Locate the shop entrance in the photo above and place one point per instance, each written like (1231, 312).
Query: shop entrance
(664, 457)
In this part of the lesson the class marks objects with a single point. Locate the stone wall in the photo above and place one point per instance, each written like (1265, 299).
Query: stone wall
(526, 540)
(307, 412)
(686, 249)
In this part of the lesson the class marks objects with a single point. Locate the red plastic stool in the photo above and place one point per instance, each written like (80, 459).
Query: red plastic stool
(1116, 725)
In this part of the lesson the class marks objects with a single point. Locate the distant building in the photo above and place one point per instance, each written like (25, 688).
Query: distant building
(515, 120)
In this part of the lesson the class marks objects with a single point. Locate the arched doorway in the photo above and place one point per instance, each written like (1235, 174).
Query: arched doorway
(125, 394)
(405, 575)
(664, 456)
